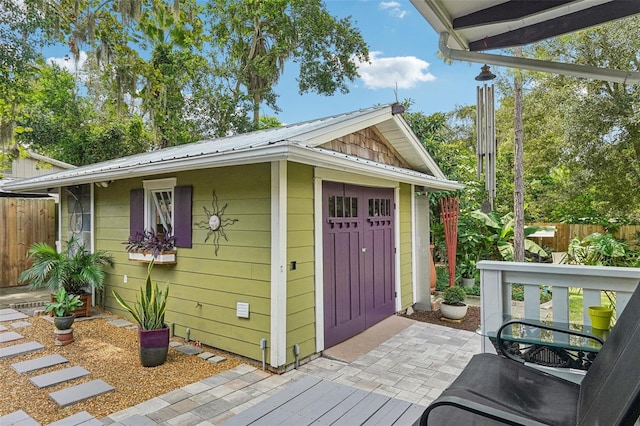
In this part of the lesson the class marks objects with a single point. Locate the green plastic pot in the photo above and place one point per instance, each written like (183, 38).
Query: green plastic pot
(600, 317)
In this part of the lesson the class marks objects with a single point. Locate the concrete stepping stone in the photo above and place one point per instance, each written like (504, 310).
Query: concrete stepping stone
(18, 418)
(21, 349)
(82, 418)
(10, 336)
(20, 324)
(120, 322)
(55, 377)
(216, 359)
(188, 349)
(3, 328)
(38, 363)
(11, 314)
(80, 392)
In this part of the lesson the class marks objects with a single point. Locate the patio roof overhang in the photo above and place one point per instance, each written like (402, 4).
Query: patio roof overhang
(468, 27)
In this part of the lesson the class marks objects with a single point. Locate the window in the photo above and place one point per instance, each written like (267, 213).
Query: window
(340, 206)
(164, 207)
(158, 205)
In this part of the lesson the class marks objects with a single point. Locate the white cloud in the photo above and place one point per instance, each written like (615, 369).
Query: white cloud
(403, 71)
(68, 63)
(394, 9)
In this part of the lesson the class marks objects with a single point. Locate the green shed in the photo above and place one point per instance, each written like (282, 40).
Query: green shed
(292, 239)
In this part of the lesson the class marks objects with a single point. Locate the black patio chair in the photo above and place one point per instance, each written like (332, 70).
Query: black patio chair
(495, 390)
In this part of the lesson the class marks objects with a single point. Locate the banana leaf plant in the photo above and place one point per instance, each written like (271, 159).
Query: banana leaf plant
(502, 233)
(150, 306)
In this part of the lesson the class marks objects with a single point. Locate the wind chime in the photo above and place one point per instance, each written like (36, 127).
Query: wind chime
(449, 208)
(486, 135)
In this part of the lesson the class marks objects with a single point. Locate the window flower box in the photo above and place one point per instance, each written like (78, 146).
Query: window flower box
(162, 258)
(149, 246)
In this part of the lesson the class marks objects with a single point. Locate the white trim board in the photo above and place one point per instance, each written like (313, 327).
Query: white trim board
(278, 343)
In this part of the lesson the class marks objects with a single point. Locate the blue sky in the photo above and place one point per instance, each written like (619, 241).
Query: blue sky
(403, 51)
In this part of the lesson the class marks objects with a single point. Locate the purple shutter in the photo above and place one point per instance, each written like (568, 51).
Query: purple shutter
(136, 211)
(182, 212)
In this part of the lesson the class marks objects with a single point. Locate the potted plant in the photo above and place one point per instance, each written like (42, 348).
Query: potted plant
(62, 308)
(149, 245)
(148, 312)
(75, 269)
(453, 306)
(467, 270)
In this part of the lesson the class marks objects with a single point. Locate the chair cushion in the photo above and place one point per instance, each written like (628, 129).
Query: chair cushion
(512, 387)
(610, 392)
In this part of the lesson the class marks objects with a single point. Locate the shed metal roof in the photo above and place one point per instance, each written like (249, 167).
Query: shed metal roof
(297, 142)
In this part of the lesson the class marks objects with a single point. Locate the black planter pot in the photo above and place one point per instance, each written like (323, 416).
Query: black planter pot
(154, 346)
(64, 323)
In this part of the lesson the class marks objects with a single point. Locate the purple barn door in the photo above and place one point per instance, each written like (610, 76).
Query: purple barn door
(358, 259)
(343, 288)
(379, 257)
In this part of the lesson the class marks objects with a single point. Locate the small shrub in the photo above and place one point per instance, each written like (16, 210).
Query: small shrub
(454, 295)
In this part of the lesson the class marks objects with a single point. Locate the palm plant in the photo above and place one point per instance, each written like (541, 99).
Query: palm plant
(73, 269)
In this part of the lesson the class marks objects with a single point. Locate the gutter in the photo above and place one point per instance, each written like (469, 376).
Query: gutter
(574, 70)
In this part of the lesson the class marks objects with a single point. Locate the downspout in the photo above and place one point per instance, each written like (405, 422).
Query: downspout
(574, 70)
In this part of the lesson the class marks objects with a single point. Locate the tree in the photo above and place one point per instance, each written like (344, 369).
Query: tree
(254, 39)
(19, 25)
(71, 128)
(518, 168)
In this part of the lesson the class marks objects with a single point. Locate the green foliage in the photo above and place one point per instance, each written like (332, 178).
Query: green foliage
(442, 278)
(149, 309)
(600, 250)
(501, 234)
(73, 269)
(454, 295)
(517, 293)
(64, 304)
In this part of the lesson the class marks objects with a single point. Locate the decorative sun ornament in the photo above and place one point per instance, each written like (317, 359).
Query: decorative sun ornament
(216, 223)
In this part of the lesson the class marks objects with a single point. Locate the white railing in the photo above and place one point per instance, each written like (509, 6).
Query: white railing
(496, 279)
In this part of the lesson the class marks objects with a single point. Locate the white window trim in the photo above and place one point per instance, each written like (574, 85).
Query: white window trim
(167, 184)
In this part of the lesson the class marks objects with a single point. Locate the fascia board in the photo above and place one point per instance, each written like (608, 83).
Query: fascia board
(419, 148)
(281, 151)
(438, 17)
(326, 134)
(341, 162)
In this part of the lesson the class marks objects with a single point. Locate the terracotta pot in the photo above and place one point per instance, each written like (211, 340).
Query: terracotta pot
(154, 346)
(63, 337)
(85, 309)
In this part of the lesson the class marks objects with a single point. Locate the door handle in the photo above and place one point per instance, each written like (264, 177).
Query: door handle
(364, 249)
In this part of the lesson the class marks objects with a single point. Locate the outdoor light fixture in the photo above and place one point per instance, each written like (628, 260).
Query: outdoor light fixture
(486, 135)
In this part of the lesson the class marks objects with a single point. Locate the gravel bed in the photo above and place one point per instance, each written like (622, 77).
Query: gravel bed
(109, 353)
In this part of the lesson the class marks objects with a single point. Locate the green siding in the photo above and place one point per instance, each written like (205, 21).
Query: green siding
(204, 288)
(406, 272)
(300, 248)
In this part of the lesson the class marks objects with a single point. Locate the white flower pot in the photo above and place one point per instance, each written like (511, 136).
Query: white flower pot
(452, 311)
(164, 258)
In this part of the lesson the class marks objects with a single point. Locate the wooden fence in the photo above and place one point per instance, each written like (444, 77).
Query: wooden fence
(23, 221)
(566, 232)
